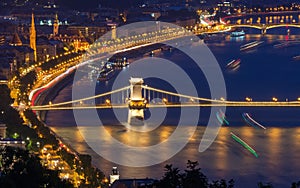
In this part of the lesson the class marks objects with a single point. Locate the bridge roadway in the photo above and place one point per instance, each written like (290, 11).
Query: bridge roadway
(179, 100)
(174, 105)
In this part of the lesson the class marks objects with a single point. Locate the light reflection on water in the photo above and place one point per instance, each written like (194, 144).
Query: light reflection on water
(278, 150)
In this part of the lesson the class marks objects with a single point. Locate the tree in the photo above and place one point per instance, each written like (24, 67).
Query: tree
(7, 113)
(19, 168)
(222, 184)
(295, 184)
(171, 179)
(267, 185)
(193, 177)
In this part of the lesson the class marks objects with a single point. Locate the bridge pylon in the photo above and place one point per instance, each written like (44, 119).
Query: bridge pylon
(136, 103)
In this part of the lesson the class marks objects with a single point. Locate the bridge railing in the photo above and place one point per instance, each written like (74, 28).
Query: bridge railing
(155, 98)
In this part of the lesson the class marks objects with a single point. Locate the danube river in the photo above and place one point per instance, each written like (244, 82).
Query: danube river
(265, 72)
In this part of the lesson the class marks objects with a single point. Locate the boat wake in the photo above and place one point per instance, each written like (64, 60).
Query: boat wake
(252, 122)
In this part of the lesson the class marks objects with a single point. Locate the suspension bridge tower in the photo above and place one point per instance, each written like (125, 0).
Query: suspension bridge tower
(136, 103)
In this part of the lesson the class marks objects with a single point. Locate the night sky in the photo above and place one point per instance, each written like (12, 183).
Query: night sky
(88, 4)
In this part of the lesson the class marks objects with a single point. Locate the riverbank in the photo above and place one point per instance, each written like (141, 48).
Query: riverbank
(48, 95)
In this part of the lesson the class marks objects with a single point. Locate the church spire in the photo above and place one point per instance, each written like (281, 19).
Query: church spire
(33, 37)
(16, 41)
(55, 25)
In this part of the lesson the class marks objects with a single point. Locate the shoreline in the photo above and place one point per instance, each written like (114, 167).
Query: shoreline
(51, 93)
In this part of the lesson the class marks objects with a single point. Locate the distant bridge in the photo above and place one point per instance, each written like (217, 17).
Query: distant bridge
(263, 27)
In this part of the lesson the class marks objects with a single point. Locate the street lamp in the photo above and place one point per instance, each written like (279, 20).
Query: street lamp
(107, 101)
(248, 99)
(274, 99)
(165, 100)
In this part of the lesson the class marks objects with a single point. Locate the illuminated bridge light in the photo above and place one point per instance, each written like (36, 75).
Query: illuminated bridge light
(164, 100)
(137, 105)
(107, 101)
(248, 99)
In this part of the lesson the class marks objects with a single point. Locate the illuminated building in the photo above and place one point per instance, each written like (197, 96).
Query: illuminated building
(2, 130)
(114, 175)
(79, 42)
(17, 56)
(2, 40)
(46, 48)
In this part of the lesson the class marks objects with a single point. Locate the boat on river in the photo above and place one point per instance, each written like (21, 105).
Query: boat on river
(249, 120)
(250, 45)
(233, 64)
(106, 74)
(237, 33)
(297, 58)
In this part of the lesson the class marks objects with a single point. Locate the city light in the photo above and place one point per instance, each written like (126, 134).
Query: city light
(76, 44)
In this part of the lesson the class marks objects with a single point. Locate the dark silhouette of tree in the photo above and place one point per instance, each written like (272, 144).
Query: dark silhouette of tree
(295, 184)
(171, 178)
(19, 168)
(193, 177)
(222, 184)
(263, 185)
(7, 113)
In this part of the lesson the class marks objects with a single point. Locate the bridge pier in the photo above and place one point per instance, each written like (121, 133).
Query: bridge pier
(263, 29)
(136, 103)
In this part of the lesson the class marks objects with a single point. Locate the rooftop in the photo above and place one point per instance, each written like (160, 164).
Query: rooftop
(133, 183)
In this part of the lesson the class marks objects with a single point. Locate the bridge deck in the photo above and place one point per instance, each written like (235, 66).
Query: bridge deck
(176, 105)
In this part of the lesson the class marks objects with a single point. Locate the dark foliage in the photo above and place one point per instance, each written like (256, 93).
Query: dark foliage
(295, 184)
(19, 168)
(191, 178)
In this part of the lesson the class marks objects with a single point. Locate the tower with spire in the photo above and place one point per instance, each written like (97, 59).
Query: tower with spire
(16, 41)
(55, 25)
(33, 37)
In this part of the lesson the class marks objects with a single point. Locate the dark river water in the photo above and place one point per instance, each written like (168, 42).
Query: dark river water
(265, 72)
